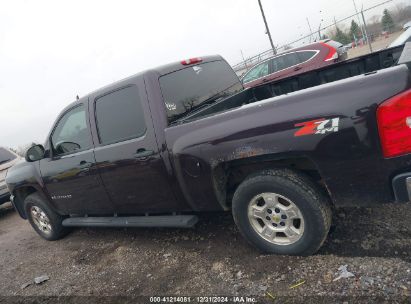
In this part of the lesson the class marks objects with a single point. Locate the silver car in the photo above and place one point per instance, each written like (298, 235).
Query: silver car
(7, 159)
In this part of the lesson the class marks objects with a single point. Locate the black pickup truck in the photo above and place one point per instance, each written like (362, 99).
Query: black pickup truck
(157, 148)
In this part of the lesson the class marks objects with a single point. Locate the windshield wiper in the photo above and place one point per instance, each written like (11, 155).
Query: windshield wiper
(4, 161)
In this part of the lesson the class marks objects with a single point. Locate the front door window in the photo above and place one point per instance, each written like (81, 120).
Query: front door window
(259, 71)
(71, 133)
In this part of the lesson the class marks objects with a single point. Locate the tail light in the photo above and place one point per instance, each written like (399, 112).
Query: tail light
(191, 61)
(394, 125)
(332, 52)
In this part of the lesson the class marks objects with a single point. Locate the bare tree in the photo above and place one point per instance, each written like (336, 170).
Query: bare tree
(374, 25)
(401, 13)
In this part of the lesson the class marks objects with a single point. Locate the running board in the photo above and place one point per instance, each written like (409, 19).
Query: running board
(178, 221)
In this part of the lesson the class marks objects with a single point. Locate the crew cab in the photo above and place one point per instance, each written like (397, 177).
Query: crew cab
(157, 148)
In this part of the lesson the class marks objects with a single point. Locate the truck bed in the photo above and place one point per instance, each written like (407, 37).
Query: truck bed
(366, 64)
(357, 66)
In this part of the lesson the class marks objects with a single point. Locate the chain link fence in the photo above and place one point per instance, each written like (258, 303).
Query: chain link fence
(367, 30)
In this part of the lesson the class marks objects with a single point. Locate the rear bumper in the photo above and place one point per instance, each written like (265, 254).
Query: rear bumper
(401, 185)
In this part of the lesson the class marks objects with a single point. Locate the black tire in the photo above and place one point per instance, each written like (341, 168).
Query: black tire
(55, 220)
(307, 196)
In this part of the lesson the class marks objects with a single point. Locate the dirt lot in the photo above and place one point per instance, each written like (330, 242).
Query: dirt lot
(211, 259)
(379, 44)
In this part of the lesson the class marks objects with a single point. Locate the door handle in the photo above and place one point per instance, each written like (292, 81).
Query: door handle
(143, 154)
(297, 68)
(265, 80)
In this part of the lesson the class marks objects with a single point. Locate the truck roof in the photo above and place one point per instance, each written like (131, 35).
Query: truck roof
(160, 70)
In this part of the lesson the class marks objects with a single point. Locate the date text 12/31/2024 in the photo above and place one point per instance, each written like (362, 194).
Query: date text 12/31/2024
(203, 299)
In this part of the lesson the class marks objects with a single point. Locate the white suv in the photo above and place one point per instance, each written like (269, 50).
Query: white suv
(7, 159)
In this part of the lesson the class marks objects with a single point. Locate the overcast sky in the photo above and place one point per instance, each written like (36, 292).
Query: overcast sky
(50, 51)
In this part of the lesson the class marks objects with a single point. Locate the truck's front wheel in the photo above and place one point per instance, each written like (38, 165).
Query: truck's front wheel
(282, 212)
(46, 222)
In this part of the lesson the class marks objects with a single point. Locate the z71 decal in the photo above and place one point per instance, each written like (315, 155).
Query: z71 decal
(318, 126)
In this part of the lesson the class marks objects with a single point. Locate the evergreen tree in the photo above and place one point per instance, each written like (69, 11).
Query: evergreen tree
(386, 21)
(354, 30)
(341, 37)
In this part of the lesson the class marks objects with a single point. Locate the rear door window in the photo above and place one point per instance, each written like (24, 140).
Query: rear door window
(120, 116)
(6, 156)
(284, 62)
(306, 55)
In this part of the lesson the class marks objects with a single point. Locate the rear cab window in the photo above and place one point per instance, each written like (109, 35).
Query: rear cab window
(196, 86)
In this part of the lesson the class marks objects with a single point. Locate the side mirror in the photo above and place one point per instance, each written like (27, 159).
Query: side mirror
(35, 153)
(67, 147)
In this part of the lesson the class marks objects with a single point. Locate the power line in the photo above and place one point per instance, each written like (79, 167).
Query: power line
(250, 59)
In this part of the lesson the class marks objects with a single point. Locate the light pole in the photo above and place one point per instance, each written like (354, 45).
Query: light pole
(267, 29)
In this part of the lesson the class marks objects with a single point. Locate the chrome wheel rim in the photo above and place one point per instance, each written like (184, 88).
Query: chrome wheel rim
(40, 219)
(276, 218)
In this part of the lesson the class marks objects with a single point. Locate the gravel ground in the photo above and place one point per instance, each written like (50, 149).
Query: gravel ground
(379, 44)
(211, 259)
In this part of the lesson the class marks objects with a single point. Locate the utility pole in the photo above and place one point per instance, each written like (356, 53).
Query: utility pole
(365, 30)
(364, 36)
(309, 26)
(267, 29)
(245, 63)
(319, 32)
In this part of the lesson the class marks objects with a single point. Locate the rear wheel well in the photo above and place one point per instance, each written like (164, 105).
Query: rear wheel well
(20, 195)
(229, 176)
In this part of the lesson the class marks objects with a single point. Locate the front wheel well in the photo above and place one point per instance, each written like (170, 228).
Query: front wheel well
(20, 195)
(228, 176)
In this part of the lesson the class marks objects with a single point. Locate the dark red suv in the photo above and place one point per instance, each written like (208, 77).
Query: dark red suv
(295, 61)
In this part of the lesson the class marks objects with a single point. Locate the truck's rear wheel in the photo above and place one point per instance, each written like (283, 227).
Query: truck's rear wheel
(282, 212)
(45, 221)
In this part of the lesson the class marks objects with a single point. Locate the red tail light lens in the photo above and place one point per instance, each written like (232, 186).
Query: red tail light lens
(394, 125)
(332, 52)
(191, 61)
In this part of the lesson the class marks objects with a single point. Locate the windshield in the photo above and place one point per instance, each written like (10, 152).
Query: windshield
(6, 156)
(403, 38)
(194, 87)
